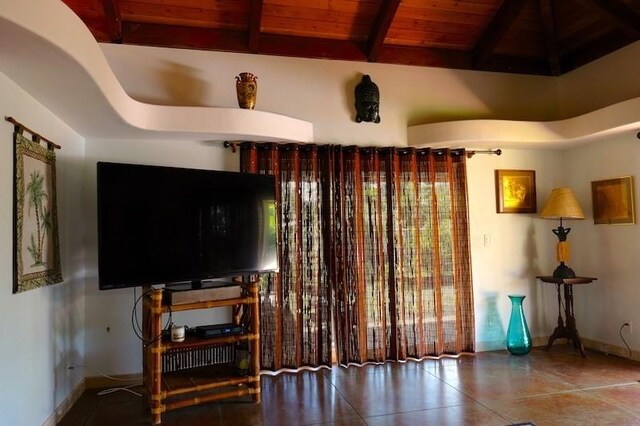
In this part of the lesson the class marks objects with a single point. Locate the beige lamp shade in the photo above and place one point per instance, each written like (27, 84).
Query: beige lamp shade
(562, 204)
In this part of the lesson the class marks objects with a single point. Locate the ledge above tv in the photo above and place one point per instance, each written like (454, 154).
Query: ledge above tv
(81, 89)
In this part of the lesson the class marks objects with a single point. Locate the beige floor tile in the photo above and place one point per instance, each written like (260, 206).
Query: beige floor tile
(564, 409)
(467, 414)
(555, 387)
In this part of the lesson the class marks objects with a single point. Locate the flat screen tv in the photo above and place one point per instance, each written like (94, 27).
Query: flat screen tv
(165, 225)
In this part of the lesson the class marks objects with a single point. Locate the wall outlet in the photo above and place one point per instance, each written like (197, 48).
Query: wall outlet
(629, 326)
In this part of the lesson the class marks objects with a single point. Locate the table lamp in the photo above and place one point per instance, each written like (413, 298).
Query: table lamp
(562, 204)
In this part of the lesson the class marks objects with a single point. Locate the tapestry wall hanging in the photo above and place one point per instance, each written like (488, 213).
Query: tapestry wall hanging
(36, 248)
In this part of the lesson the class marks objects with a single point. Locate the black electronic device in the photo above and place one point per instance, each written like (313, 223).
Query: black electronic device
(164, 225)
(218, 330)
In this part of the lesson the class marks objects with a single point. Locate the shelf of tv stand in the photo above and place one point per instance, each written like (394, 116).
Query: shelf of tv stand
(200, 379)
(208, 304)
(194, 342)
(210, 383)
(196, 385)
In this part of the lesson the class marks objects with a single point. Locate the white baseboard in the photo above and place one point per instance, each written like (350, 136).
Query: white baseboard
(611, 349)
(88, 383)
(66, 405)
(606, 348)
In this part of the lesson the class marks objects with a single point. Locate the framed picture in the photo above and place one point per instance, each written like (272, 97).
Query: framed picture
(516, 191)
(613, 201)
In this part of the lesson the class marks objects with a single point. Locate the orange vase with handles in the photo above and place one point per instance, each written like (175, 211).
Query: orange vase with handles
(247, 90)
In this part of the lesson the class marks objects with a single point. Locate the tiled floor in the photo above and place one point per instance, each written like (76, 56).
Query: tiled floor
(557, 387)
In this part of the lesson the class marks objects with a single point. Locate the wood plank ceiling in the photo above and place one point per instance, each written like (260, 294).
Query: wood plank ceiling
(545, 37)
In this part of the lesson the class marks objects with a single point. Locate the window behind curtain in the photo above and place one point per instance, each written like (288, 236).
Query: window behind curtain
(373, 251)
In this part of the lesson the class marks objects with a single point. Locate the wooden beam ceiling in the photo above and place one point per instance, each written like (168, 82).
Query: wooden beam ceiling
(381, 27)
(548, 19)
(545, 37)
(114, 20)
(254, 26)
(496, 29)
(623, 16)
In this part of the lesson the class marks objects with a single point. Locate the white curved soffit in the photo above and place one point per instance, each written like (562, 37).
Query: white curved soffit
(47, 50)
(613, 119)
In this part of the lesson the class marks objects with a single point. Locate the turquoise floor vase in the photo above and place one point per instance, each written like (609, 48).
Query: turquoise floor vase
(518, 336)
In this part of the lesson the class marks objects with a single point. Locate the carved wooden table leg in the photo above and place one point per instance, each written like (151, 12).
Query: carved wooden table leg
(572, 331)
(567, 328)
(560, 330)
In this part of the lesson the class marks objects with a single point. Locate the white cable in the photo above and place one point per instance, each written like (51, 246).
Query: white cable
(125, 388)
(108, 391)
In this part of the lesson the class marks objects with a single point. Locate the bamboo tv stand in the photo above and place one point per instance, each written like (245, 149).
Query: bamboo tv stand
(207, 370)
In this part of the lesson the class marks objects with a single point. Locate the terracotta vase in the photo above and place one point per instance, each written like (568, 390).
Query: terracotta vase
(247, 89)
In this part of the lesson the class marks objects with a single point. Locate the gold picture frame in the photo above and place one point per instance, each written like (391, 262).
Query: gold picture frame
(516, 191)
(613, 201)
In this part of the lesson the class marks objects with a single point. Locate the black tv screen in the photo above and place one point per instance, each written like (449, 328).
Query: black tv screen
(165, 225)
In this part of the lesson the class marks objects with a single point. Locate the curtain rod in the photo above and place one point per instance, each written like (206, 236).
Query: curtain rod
(484, 151)
(36, 136)
(234, 146)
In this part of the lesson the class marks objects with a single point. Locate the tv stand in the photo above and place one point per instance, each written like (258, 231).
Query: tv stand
(198, 285)
(168, 388)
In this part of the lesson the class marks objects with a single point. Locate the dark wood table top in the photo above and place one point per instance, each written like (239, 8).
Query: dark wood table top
(576, 280)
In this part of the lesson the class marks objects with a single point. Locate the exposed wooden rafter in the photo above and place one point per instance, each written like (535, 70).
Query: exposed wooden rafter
(541, 37)
(114, 20)
(499, 25)
(424, 56)
(309, 47)
(548, 19)
(184, 37)
(388, 11)
(625, 18)
(254, 25)
(593, 50)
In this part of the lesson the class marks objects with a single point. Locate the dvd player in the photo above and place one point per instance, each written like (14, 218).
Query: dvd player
(218, 330)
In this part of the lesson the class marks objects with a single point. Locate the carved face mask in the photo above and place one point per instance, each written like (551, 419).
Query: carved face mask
(367, 101)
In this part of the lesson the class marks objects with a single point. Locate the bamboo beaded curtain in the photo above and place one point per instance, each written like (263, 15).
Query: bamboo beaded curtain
(374, 253)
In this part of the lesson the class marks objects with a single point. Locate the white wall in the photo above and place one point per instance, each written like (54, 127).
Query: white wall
(42, 330)
(609, 252)
(520, 246)
(523, 246)
(606, 81)
(322, 92)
